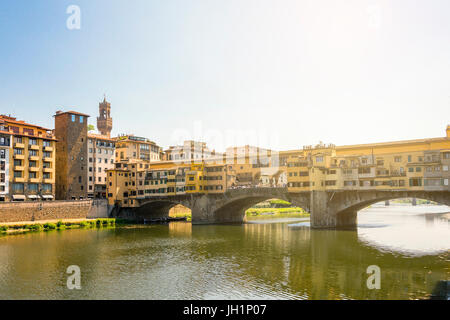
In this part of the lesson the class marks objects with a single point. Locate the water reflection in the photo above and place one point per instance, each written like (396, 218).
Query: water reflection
(251, 261)
(406, 230)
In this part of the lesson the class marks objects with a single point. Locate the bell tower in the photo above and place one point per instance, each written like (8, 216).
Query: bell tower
(104, 120)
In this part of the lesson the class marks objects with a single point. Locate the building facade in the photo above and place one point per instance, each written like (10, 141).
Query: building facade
(5, 145)
(27, 161)
(415, 165)
(190, 151)
(71, 155)
(101, 155)
(130, 147)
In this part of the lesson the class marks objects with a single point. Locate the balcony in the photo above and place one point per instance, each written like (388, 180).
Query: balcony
(34, 180)
(19, 168)
(47, 180)
(33, 158)
(19, 179)
(48, 169)
(49, 149)
(19, 145)
(19, 156)
(33, 169)
(33, 147)
(47, 159)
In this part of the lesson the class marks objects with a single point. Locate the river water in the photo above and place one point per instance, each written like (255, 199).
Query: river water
(273, 259)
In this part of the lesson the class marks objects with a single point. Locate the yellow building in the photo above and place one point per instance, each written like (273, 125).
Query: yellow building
(130, 147)
(136, 180)
(30, 161)
(421, 164)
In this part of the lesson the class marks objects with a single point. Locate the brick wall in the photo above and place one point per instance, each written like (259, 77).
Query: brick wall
(51, 210)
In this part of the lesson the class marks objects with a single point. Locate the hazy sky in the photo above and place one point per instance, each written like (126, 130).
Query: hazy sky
(280, 74)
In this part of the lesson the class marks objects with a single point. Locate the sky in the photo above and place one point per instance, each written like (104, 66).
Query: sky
(277, 74)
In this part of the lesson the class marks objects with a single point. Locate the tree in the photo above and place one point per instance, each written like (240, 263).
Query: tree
(91, 127)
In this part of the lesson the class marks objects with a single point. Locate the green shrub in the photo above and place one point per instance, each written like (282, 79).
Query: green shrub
(84, 224)
(35, 227)
(3, 228)
(50, 226)
(59, 223)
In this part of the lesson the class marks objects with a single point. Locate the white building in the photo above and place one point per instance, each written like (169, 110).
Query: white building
(101, 156)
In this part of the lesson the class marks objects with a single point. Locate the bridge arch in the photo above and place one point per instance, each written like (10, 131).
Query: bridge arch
(346, 210)
(153, 209)
(232, 207)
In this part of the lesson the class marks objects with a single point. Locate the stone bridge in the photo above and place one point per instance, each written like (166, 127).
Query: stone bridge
(329, 209)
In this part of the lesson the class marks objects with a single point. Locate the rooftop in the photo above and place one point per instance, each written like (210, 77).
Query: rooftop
(59, 113)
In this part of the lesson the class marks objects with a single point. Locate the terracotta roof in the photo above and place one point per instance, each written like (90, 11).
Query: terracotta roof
(100, 137)
(58, 113)
(6, 119)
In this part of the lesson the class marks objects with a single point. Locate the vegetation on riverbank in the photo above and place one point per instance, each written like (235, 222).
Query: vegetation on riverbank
(20, 228)
(267, 213)
(275, 208)
(187, 215)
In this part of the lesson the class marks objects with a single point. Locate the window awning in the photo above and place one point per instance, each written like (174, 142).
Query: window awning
(18, 197)
(47, 196)
(33, 196)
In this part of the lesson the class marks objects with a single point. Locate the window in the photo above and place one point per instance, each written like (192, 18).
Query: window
(33, 187)
(18, 187)
(444, 168)
(81, 119)
(409, 158)
(73, 118)
(415, 182)
(418, 169)
(397, 159)
(319, 159)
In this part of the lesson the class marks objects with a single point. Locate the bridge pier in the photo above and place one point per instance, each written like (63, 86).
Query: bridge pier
(326, 215)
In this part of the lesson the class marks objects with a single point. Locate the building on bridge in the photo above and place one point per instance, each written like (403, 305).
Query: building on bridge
(413, 165)
(136, 180)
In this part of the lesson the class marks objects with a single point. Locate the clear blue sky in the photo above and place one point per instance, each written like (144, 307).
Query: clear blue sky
(281, 74)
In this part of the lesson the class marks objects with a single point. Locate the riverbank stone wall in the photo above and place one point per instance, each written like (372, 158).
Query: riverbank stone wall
(51, 210)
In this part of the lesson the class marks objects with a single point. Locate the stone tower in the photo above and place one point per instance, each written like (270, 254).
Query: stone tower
(104, 120)
(71, 155)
